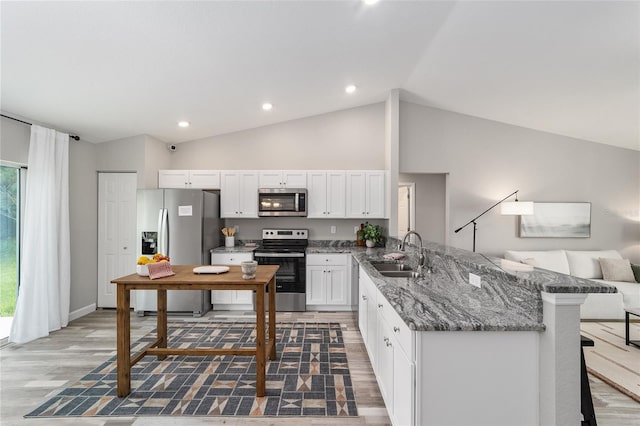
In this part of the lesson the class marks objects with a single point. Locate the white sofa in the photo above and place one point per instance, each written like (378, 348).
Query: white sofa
(585, 264)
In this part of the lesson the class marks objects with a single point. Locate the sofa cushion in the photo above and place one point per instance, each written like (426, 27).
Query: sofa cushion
(585, 264)
(630, 292)
(617, 270)
(553, 260)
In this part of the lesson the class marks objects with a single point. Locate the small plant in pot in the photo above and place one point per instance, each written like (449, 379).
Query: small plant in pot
(372, 234)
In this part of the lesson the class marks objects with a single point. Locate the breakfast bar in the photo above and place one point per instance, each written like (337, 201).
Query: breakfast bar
(186, 279)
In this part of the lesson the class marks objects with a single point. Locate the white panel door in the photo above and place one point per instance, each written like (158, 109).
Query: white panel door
(116, 232)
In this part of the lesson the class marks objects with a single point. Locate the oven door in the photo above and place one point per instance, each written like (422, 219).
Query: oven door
(291, 276)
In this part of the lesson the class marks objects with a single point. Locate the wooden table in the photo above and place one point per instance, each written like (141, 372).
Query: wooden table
(185, 279)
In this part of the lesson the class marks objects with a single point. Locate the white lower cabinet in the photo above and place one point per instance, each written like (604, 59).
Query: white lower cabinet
(329, 282)
(391, 347)
(232, 300)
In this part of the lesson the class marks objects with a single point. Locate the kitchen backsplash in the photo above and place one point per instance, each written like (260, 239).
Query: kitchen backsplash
(319, 229)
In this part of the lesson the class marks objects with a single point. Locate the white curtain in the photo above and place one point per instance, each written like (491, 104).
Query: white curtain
(45, 283)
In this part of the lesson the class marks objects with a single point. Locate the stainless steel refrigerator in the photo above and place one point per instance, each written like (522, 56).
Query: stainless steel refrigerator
(185, 225)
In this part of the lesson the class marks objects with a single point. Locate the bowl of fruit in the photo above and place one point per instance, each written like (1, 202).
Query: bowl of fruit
(142, 269)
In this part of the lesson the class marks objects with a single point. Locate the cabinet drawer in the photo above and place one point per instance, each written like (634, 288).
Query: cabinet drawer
(230, 258)
(401, 331)
(327, 259)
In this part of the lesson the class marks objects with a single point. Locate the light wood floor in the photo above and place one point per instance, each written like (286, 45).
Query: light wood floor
(31, 373)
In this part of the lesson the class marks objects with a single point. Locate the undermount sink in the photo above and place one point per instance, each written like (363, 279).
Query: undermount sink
(391, 267)
(400, 274)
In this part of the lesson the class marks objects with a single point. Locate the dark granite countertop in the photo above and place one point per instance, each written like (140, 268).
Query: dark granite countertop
(443, 300)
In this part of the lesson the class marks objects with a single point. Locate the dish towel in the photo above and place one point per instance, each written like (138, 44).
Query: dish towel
(160, 270)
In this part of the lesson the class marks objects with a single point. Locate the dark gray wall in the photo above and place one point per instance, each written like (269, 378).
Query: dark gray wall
(487, 160)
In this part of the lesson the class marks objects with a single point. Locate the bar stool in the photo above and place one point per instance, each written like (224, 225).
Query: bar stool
(586, 405)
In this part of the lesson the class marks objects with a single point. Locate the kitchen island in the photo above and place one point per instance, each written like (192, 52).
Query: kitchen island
(446, 352)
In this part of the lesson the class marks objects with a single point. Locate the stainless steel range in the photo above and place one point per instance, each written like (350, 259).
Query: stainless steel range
(286, 248)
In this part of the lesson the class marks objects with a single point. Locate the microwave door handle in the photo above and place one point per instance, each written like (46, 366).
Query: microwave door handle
(297, 202)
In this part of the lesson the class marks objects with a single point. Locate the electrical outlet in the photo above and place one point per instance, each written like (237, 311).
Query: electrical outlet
(333, 229)
(475, 280)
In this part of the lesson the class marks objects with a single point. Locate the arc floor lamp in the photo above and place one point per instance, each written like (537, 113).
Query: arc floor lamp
(513, 208)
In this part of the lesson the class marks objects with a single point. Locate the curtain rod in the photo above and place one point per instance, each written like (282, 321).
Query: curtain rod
(75, 137)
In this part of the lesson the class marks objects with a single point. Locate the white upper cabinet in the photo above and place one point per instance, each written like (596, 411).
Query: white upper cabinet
(239, 194)
(366, 194)
(283, 179)
(196, 179)
(326, 194)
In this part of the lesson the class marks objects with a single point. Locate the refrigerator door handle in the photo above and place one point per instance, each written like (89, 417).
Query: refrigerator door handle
(163, 243)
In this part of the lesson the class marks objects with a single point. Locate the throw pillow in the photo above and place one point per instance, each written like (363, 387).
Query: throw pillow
(617, 270)
(531, 262)
(636, 271)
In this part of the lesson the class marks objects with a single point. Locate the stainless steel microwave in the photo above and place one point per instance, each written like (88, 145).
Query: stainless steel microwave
(282, 202)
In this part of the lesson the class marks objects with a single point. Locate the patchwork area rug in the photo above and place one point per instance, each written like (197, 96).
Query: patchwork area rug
(310, 377)
(611, 360)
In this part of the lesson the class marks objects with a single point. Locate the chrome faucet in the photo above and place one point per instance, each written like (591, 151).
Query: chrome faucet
(421, 257)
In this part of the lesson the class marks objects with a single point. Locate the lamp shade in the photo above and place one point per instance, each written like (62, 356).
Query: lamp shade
(519, 208)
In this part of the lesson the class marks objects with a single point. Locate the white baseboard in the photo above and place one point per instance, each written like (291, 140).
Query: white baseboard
(82, 312)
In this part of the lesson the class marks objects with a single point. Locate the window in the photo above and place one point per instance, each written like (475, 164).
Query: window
(10, 213)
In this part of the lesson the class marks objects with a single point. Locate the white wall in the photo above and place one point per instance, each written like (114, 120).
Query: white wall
(488, 160)
(156, 157)
(348, 139)
(123, 155)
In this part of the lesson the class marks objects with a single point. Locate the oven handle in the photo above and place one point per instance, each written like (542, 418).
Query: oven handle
(278, 254)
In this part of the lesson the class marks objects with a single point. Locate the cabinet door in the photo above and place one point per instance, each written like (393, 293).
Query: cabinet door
(336, 194)
(375, 190)
(363, 300)
(316, 194)
(294, 178)
(173, 178)
(316, 277)
(248, 196)
(385, 363)
(271, 179)
(372, 324)
(403, 387)
(229, 194)
(228, 297)
(336, 285)
(356, 194)
(204, 179)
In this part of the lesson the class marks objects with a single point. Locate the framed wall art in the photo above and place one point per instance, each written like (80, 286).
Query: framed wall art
(557, 220)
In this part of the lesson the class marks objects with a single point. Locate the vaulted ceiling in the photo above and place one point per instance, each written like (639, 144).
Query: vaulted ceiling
(107, 70)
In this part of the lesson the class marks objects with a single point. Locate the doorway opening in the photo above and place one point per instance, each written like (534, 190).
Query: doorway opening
(406, 209)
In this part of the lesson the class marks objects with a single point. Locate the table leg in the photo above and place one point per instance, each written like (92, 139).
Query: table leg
(123, 345)
(272, 317)
(162, 321)
(260, 343)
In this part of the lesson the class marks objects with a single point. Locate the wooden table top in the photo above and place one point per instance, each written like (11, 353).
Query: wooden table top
(185, 278)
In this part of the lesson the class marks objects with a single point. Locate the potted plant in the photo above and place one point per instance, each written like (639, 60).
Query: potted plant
(372, 234)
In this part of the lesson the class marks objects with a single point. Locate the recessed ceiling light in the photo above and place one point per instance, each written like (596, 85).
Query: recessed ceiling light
(370, 1)
(183, 123)
(267, 106)
(350, 88)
